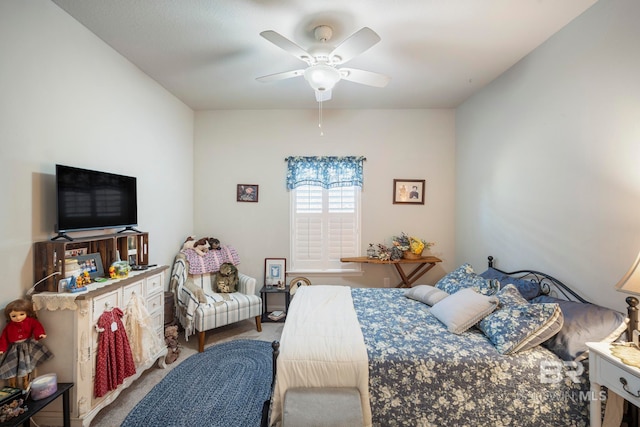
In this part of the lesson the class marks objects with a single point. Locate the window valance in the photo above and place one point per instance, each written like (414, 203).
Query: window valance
(325, 171)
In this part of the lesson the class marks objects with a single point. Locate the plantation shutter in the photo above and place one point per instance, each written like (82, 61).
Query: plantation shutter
(325, 212)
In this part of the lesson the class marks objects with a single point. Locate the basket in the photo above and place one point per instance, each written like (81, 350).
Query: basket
(411, 255)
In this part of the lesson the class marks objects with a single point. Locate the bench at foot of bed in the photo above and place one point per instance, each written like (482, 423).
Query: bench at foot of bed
(330, 407)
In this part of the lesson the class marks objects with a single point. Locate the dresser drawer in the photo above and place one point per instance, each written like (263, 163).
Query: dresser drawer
(134, 288)
(613, 378)
(155, 284)
(155, 302)
(105, 302)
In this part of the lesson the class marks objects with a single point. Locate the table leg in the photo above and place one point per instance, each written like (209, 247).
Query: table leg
(65, 409)
(595, 406)
(410, 279)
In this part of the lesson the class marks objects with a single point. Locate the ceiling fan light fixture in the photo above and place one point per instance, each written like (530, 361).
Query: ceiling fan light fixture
(322, 77)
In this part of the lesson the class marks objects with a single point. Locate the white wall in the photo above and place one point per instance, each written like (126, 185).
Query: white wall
(548, 154)
(249, 147)
(69, 98)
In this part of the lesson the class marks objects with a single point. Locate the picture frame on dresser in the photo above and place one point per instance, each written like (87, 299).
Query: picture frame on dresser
(91, 263)
(408, 191)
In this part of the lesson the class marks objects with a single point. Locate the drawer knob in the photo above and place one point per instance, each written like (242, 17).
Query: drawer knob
(625, 386)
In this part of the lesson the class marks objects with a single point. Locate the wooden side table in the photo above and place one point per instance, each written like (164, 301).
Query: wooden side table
(607, 370)
(274, 290)
(35, 406)
(424, 264)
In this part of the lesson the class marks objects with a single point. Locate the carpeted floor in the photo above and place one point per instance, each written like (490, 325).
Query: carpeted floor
(224, 386)
(114, 414)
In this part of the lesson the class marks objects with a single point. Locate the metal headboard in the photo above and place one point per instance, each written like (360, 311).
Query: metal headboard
(551, 286)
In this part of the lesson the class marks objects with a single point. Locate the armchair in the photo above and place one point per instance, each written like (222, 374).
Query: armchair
(199, 308)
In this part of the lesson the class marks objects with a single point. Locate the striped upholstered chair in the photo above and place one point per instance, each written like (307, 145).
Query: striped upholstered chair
(199, 308)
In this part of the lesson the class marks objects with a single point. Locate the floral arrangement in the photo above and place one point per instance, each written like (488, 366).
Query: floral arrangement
(409, 243)
(402, 245)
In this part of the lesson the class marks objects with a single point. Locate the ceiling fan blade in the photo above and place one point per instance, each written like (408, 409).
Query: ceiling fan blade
(280, 76)
(364, 77)
(354, 45)
(286, 44)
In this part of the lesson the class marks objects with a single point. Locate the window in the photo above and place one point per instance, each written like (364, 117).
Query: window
(325, 226)
(325, 211)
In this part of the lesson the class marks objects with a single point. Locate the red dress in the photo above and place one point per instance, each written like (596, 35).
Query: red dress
(114, 361)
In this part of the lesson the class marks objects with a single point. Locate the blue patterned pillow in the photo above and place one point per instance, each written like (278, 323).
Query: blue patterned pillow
(464, 277)
(518, 325)
(528, 288)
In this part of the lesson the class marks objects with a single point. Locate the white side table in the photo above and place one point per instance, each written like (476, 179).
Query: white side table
(607, 370)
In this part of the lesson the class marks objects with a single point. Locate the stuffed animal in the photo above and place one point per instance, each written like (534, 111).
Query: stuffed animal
(201, 246)
(173, 347)
(214, 244)
(188, 243)
(227, 278)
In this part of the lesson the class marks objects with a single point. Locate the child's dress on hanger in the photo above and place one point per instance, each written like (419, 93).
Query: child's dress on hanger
(114, 361)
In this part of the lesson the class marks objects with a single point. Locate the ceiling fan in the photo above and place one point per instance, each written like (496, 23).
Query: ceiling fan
(322, 59)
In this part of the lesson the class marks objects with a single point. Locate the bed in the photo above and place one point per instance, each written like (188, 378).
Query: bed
(411, 370)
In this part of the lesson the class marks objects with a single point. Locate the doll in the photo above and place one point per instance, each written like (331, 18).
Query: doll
(20, 347)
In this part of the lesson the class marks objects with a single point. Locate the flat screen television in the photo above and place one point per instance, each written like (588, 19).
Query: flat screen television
(91, 200)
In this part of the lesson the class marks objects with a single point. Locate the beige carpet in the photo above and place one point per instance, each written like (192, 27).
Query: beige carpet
(114, 414)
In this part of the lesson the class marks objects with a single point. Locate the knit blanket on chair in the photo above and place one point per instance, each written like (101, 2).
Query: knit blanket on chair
(211, 261)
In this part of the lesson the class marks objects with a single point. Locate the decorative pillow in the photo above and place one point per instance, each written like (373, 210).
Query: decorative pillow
(426, 294)
(527, 288)
(518, 325)
(463, 309)
(464, 277)
(195, 290)
(583, 322)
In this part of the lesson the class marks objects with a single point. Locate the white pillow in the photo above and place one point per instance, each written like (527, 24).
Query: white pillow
(462, 310)
(427, 294)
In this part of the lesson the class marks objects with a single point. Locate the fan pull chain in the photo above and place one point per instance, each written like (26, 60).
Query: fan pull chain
(320, 117)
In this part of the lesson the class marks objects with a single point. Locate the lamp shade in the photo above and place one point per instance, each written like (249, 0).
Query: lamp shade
(322, 77)
(630, 282)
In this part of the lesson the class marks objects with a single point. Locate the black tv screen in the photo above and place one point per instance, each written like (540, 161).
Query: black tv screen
(89, 199)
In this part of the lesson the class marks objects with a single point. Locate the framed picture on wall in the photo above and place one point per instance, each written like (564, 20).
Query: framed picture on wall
(247, 193)
(275, 270)
(408, 191)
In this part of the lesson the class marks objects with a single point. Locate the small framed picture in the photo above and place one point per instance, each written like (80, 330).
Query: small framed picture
(91, 263)
(247, 193)
(275, 270)
(408, 191)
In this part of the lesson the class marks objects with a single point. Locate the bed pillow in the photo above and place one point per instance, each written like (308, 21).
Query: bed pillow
(583, 322)
(464, 277)
(426, 294)
(527, 288)
(517, 325)
(463, 309)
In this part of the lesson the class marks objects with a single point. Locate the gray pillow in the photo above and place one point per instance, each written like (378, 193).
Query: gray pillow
(426, 294)
(583, 322)
(462, 310)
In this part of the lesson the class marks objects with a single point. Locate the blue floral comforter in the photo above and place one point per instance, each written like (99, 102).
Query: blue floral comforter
(422, 375)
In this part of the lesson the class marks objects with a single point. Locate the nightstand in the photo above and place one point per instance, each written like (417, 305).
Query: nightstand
(264, 292)
(607, 370)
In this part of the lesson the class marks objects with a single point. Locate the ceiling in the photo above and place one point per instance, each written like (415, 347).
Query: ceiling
(208, 53)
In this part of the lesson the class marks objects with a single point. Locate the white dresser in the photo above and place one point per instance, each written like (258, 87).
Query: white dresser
(69, 321)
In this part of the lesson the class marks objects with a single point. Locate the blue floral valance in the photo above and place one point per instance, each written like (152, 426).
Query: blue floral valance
(325, 171)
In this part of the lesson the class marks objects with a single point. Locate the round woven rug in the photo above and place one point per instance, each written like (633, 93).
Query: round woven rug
(226, 385)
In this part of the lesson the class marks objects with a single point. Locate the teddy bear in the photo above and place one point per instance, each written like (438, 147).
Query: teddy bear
(226, 279)
(173, 347)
